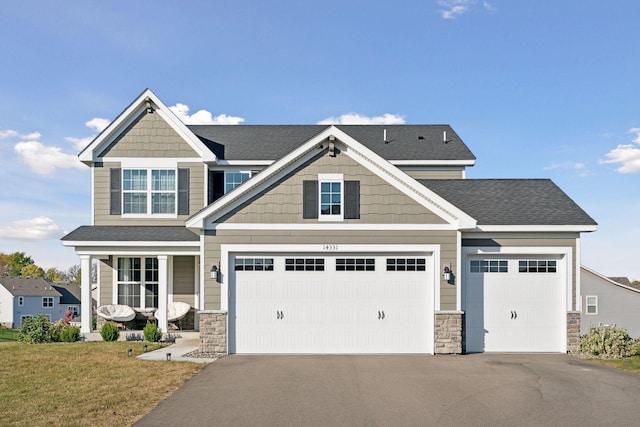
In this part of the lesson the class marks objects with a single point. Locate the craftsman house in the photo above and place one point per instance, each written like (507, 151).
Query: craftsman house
(327, 239)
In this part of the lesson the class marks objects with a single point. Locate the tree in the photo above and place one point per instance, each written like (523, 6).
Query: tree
(32, 270)
(55, 275)
(16, 262)
(74, 274)
(5, 268)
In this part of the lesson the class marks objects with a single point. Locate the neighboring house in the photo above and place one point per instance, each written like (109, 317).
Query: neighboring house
(22, 297)
(70, 297)
(608, 302)
(327, 239)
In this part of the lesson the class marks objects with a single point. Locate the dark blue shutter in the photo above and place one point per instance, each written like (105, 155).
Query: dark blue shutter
(183, 191)
(309, 199)
(352, 199)
(115, 191)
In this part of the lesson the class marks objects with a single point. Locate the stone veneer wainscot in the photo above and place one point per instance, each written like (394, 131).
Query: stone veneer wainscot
(213, 331)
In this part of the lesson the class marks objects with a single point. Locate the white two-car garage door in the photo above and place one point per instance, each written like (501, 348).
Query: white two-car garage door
(515, 303)
(338, 303)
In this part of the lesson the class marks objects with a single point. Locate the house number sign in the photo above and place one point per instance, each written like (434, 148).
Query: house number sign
(329, 247)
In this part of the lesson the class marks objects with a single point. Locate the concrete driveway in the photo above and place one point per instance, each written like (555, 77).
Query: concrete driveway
(478, 390)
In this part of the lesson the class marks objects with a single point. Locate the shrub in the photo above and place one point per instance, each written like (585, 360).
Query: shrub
(110, 332)
(55, 329)
(608, 342)
(70, 334)
(152, 333)
(35, 329)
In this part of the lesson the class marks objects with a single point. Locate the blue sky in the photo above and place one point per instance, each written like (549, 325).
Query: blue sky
(537, 89)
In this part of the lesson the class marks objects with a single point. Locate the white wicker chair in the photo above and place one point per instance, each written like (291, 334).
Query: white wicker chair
(116, 312)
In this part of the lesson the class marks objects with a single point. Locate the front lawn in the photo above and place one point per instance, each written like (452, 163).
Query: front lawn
(82, 384)
(631, 364)
(8, 334)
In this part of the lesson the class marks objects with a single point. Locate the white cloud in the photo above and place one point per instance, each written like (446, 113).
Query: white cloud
(39, 228)
(80, 143)
(579, 167)
(451, 9)
(98, 124)
(627, 155)
(10, 133)
(45, 160)
(359, 119)
(203, 117)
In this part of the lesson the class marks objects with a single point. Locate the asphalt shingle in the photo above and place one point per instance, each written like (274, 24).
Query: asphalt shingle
(128, 233)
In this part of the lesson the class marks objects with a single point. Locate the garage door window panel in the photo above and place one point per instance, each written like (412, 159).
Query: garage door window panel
(406, 264)
(489, 266)
(253, 264)
(537, 266)
(355, 264)
(304, 264)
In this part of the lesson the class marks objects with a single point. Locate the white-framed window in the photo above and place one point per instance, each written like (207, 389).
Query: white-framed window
(25, 316)
(47, 302)
(149, 191)
(232, 179)
(304, 264)
(355, 264)
(253, 264)
(592, 304)
(137, 277)
(489, 266)
(331, 197)
(74, 309)
(20, 300)
(406, 264)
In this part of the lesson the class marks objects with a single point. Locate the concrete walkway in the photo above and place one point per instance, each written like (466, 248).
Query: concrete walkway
(177, 351)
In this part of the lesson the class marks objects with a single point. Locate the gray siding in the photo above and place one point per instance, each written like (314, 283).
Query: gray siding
(184, 279)
(616, 305)
(435, 174)
(149, 136)
(380, 203)
(446, 240)
(101, 196)
(106, 282)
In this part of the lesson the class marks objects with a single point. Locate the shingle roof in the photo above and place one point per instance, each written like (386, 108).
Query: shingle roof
(272, 142)
(622, 280)
(29, 287)
(70, 293)
(130, 233)
(511, 201)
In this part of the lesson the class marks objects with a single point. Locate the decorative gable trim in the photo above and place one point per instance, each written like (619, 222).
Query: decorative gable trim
(143, 103)
(353, 149)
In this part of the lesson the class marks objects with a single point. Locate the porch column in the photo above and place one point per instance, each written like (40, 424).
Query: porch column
(163, 289)
(85, 294)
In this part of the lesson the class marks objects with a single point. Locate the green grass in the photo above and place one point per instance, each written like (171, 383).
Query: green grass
(83, 383)
(8, 335)
(631, 364)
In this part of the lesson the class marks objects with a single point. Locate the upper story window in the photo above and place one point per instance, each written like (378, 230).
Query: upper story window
(20, 300)
(137, 192)
(234, 178)
(149, 191)
(47, 301)
(331, 197)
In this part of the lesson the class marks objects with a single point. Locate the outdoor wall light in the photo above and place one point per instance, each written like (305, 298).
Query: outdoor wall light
(448, 274)
(215, 273)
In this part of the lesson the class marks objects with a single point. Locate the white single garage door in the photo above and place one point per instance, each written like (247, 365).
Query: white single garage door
(342, 303)
(515, 304)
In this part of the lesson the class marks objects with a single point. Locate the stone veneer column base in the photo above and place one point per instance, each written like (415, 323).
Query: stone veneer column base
(573, 331)
(213, 331)
(448, 332)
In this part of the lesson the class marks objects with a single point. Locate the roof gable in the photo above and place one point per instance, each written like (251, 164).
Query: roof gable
(607, 280)
(352, 148)
(147, 101)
